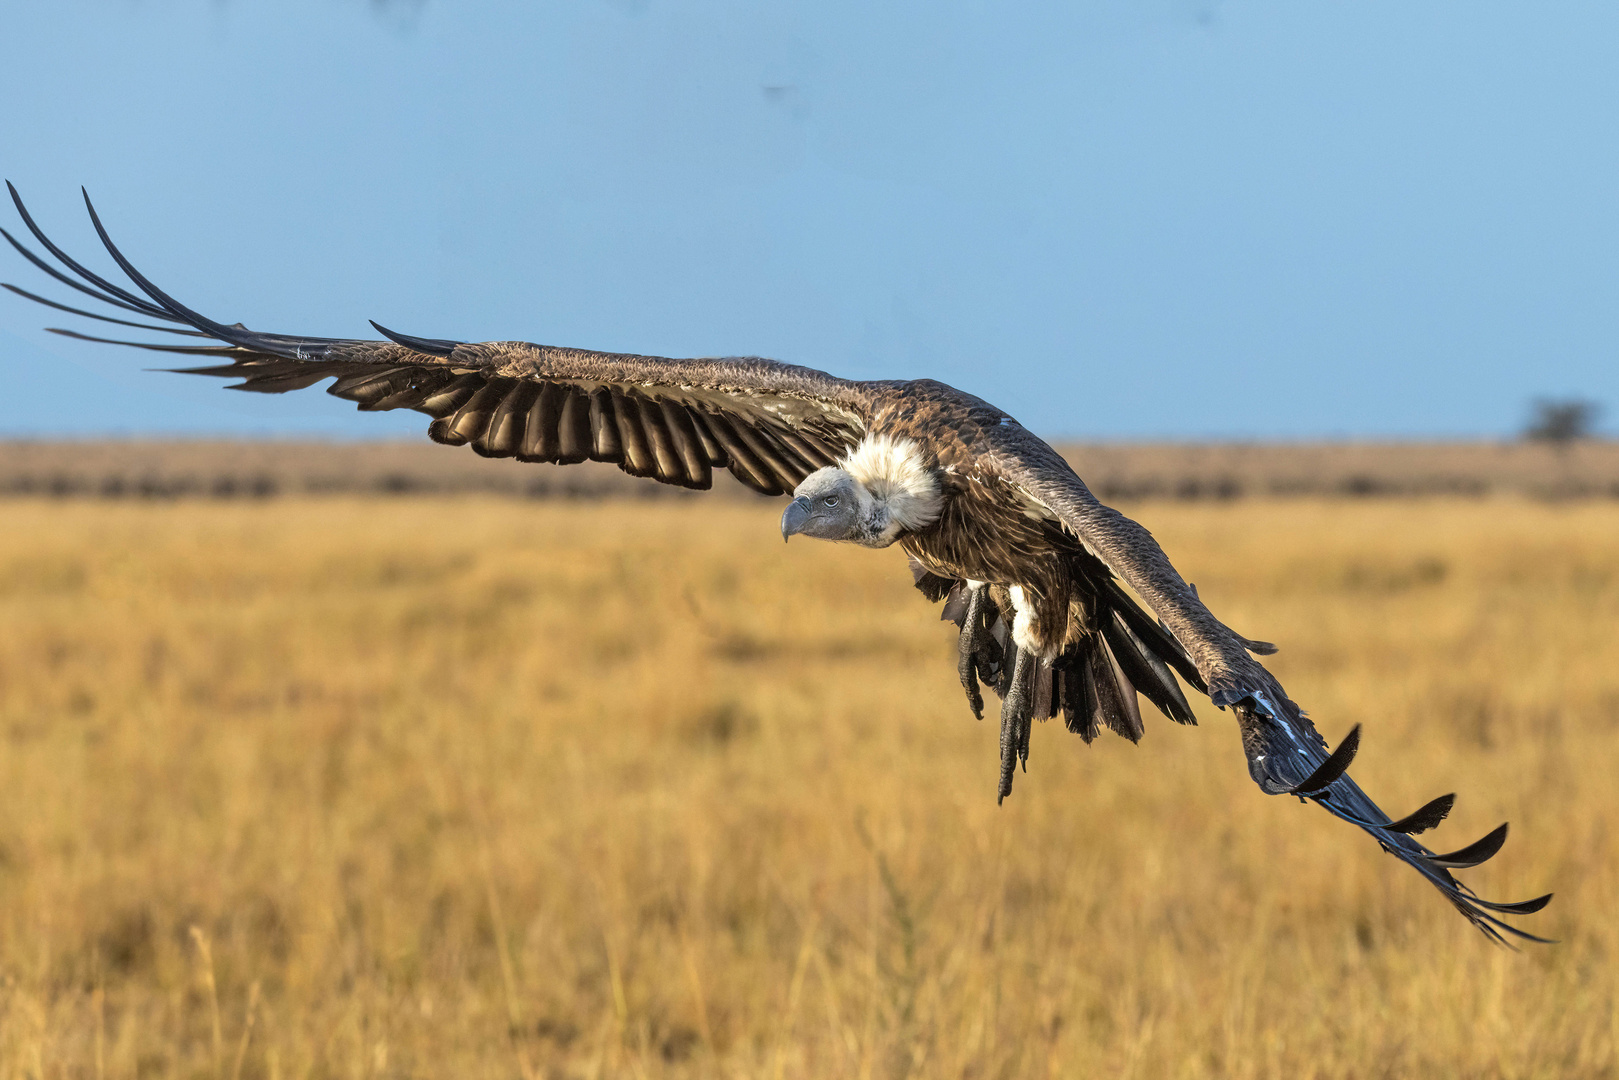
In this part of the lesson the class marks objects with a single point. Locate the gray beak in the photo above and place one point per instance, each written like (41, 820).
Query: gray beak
(798, 512)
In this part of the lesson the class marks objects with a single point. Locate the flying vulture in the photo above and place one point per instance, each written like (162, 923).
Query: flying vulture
(1064, 605)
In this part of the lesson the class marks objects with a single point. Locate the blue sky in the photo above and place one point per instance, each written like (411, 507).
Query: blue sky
(1115, 218)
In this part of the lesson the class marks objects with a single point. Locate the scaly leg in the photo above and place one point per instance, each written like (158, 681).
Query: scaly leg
(972, 635)
(1017, 710)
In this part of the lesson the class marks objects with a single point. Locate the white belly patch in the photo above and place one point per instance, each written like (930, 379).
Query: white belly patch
(1023, 621)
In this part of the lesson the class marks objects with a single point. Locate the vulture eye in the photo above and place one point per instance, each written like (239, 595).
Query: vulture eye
(830, 500)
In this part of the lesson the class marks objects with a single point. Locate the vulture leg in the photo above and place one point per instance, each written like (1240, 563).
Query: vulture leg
(972, 634)
(1017, 712)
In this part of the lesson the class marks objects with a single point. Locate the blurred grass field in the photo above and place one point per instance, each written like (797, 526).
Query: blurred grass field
(488, 788)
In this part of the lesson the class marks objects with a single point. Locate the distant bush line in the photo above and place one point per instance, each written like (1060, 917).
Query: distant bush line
(141, 469)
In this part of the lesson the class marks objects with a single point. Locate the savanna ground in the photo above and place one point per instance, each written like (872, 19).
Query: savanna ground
(482, 788)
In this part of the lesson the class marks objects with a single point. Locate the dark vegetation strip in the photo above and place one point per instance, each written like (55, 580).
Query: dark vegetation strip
(139, 469)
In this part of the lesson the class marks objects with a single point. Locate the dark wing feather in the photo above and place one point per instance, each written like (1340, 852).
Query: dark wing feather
(431, 346)
(1150, 675)
(25, 294)
(1425, 818)
(675, 421)
(1117, 693)
(1286, 755)
(1078, 702)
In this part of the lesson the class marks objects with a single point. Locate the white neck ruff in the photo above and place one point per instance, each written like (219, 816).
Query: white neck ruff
(905, 492)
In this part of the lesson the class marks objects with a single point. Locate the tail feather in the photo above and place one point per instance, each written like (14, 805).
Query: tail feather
(1094, 683)
(1150, 675)
(1115, 702)
(1077, 693)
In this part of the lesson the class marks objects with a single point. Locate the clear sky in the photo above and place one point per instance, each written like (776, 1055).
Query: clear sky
(1113, 218)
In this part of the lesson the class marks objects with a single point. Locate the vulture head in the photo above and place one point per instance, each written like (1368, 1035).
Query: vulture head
(885, 487)
(830, 505)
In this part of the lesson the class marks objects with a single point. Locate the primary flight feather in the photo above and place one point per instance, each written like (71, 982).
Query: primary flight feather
(996, 525)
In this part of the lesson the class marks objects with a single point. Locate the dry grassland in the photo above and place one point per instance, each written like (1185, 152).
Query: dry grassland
(485, 788)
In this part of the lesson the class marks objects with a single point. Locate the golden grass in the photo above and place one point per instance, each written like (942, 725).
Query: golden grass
(493, 789)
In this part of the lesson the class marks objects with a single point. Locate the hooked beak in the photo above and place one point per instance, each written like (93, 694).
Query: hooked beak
(798, 512)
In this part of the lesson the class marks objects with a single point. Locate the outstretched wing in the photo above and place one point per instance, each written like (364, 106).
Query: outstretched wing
(1286, 755)
(770, 424)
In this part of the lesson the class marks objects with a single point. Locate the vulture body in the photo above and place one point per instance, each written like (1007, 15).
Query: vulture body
(1029, 565)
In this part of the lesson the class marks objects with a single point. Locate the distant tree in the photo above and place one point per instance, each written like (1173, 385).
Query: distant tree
(1561, 421)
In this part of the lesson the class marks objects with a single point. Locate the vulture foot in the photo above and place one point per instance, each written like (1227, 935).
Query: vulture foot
(1017, 716)
(973, 636)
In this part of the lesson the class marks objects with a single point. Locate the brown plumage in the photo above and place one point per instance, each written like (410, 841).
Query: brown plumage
(1037, 574)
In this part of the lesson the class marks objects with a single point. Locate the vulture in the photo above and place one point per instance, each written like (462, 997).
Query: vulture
(1064, 605)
